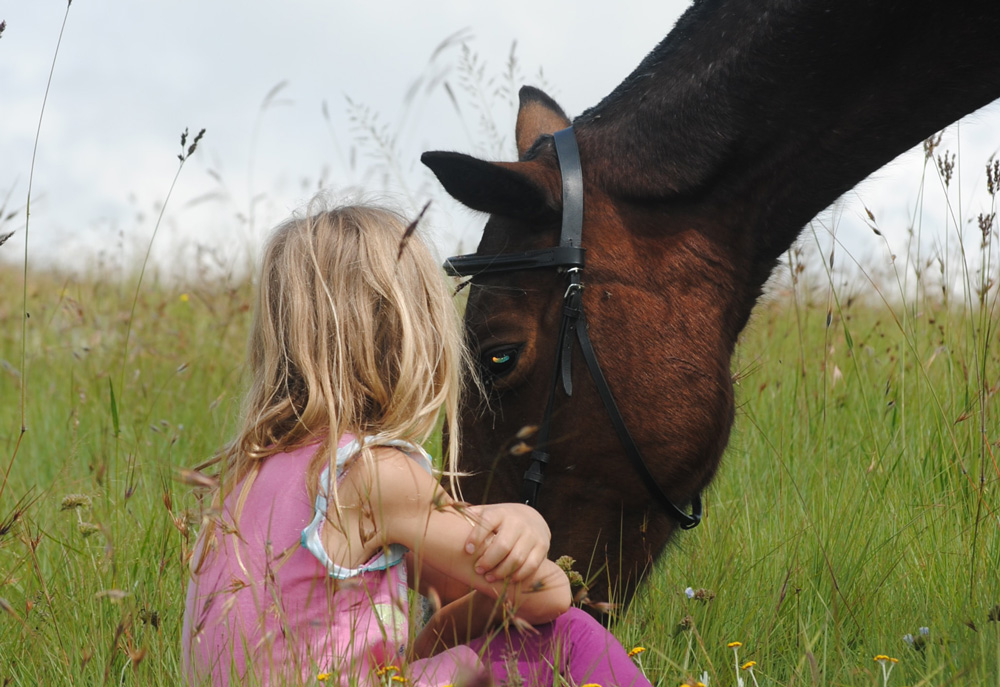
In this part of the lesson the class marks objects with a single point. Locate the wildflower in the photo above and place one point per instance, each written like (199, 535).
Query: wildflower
(699, 594)
(592, 684)
(184, 299)
(918, 641)
(400, 679)
(735, 646)
(323, 677)
(634, 653)
(749, 666)
(694, 682)
(887, 663)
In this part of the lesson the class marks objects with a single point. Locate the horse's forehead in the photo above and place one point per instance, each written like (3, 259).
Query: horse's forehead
(508, 235)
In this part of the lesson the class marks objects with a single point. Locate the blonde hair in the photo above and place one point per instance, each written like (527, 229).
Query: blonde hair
(354, 332)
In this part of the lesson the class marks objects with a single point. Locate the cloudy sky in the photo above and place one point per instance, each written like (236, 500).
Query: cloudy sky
(305, 94)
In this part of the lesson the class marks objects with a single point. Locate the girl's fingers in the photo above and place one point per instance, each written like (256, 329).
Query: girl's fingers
(521, 562)
(530, 566)
(498, 550)
(486, 523)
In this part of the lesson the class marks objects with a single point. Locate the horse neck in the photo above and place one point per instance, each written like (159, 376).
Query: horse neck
(763, 113)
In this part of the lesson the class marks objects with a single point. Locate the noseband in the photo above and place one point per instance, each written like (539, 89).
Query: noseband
(567, 257)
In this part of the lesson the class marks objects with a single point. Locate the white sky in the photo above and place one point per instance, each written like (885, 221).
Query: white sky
(132, 74)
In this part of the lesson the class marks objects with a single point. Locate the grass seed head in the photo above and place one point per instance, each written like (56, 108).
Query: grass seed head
(87, 528)
(527, 431)
(931, 144)
(519, 449)
(74, 501)
(946, 167)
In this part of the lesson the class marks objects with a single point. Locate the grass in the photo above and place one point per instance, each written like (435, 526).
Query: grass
(82, 587)
(856, 503)
(848, 513)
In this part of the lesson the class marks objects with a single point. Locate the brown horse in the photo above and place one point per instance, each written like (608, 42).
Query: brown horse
(699, 171)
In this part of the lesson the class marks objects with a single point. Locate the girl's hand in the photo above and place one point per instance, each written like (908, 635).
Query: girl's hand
(509, 540)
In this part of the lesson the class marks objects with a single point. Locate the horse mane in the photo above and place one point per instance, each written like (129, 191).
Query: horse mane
(781, 106)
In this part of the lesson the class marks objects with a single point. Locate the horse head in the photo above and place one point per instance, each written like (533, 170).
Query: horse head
(698, 172)
(676, 368)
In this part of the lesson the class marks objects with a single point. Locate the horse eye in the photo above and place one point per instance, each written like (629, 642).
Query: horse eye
(497, 362)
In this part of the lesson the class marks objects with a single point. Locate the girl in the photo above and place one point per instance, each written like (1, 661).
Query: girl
(326, 507)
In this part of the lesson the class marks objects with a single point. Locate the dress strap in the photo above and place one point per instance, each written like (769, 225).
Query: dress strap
(311, 539)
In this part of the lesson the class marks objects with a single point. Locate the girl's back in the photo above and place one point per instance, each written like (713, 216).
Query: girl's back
(248, 597)
(259, 595)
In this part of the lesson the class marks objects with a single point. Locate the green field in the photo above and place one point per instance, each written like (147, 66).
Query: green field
(857, 502)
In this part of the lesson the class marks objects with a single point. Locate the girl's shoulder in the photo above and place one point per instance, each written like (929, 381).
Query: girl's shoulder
(350, 448)
(392, 461)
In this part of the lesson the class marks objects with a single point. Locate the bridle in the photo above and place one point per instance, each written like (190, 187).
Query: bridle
(568, 258)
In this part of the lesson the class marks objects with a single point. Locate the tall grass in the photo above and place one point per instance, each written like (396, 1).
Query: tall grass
(856, 504)
(856, 513)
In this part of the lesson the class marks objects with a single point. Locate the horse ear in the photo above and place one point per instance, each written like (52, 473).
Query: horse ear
(510, 189)
(538, 114)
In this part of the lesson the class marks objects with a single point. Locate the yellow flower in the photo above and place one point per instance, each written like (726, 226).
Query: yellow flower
(184, 298)
(382, 671)
(733, 645)
(636, 651)
(591, 684)
(881, 657)
(749, 664)
(323, 677)
(399, 678)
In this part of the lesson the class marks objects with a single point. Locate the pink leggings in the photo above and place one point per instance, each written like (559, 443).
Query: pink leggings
(578, 646)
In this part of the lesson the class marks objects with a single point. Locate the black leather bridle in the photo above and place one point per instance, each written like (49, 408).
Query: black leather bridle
(568, 257)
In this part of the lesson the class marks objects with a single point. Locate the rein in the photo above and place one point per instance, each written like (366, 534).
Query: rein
(568, 257)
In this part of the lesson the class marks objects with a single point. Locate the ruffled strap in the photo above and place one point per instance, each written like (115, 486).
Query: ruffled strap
(311, 540)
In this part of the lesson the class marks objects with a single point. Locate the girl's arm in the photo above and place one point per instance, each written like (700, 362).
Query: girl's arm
(456, 623)
(410, 508)
(508, 540)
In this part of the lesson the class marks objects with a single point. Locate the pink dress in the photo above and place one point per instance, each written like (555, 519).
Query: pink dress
(268, 607)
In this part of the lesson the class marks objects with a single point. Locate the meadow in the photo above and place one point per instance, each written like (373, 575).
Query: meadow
(855, 515)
